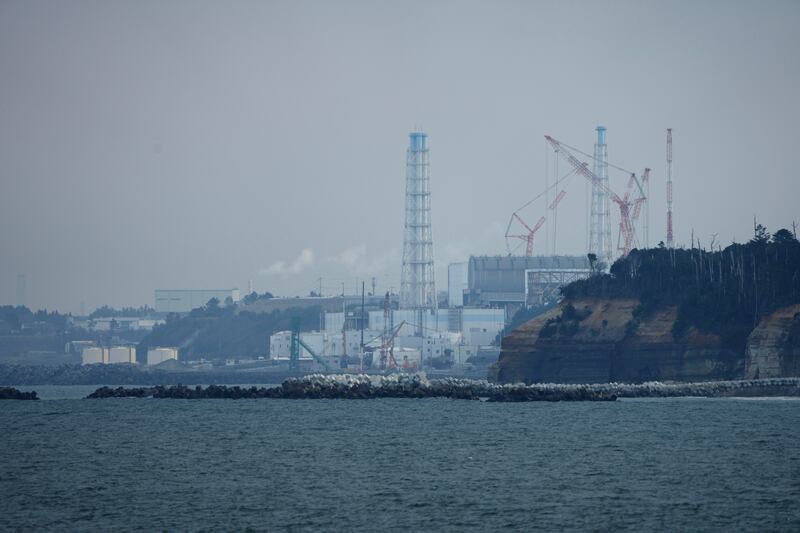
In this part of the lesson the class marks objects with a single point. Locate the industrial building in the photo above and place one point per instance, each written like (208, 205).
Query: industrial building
(456, 333)
(329, 345)
(94, 356)
(105, 356)
(184, 300)
(510, 282)
(156, 356)
(122, 354)
(479, 326)
(408, 350)
(457, 283)
(122, 323)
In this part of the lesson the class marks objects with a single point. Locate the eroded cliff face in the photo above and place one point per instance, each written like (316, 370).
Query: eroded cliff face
(601, 342)
(574, 351)
(773, 348)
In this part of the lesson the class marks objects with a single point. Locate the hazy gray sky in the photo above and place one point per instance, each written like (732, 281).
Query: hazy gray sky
(187, 144)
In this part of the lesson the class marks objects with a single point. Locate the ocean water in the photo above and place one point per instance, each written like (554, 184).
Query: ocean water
(68, 464)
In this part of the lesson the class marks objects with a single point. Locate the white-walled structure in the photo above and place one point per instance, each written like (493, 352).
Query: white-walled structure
(477, 326)
(323, 343)
(122, 354)
(156, 356)
(94, 356)
(481, 326)
(457, 283)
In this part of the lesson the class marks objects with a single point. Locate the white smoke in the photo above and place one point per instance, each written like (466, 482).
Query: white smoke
(289, 268)
(359, 261)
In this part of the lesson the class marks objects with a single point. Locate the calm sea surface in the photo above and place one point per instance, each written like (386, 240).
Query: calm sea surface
(69, 464)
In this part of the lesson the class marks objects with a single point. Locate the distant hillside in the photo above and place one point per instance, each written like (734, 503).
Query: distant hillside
(215, 332)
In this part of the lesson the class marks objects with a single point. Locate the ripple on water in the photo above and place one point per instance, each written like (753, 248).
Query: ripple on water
(399, 465)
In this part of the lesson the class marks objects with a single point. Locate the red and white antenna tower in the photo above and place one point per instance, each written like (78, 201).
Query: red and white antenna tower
(670, 242)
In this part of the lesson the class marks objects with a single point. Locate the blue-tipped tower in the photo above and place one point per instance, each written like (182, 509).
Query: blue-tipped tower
(417, 289)
(599, 218)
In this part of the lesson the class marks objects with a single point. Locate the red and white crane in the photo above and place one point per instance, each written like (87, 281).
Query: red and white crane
(530, 232)
(627, 206)
(526, 237)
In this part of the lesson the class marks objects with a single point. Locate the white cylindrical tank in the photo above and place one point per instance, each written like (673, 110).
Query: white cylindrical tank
(122, 354)
(156, 356)
(93, 356)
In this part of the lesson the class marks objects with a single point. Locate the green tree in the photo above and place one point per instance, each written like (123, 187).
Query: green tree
(760, 234)
(592, 261)
(783, 236)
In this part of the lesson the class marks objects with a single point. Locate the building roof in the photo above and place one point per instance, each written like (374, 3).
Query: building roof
(506, 273)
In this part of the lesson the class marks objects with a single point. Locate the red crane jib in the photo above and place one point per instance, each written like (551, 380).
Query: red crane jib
(625, 225)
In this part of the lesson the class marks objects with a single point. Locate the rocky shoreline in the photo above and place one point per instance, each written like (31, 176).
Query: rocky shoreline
(361, 386)
(10, 393)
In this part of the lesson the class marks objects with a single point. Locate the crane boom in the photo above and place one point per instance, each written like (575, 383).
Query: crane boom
(582, 168)
(557, 200)
(317, 358)
(627, 233)
(528, 237)
(392, 361)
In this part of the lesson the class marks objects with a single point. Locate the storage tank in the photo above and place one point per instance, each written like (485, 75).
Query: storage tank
(122, 354)
(94, 356)
(156, 356)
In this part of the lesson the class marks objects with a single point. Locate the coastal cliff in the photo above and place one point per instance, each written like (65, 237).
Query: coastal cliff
(601, 341)
(773, 348)
(669, 315)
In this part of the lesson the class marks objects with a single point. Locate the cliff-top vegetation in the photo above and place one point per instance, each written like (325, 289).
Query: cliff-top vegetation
(725, 291)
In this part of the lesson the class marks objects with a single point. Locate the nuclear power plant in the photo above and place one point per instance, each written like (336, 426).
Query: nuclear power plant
(418, 328)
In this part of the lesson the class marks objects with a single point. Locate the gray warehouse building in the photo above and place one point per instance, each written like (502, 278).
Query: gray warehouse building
(513, 281)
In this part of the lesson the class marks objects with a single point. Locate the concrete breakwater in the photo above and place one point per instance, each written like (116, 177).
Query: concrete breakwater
(360, 386)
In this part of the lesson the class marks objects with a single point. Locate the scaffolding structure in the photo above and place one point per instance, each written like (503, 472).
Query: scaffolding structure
(543, 285)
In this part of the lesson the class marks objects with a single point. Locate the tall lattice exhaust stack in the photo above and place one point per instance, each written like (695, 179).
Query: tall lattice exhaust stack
(600, 215)
(417, 288)
(670, 242)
